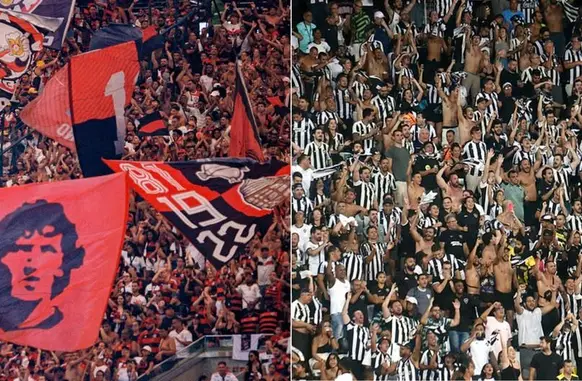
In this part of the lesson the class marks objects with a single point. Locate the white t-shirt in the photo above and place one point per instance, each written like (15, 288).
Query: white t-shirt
(504, 333)
(315, 260)
(229, 377)
(304, 233)
(322, 47)
(184, 335)
(529, 324)
(139, 300)
(337, 296)
(480, 350)
(249, 294)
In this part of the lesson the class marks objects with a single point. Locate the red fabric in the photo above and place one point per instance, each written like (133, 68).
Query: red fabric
(148, 33)
(244, 136)
(97, 208)
(49, 112)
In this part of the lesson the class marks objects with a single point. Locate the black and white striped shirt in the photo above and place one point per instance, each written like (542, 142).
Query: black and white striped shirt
(300, 311)
(475, 150)
(575, 302)
(432, 95)
(523, 155)
(359, 89)
(484, 117)
(377, 263)
(365, 194)
(493, 97)
(435, 266)
(528, 8)
(378, 359)
(572, 55)
(302, 204)
(403, 328)
(443, 6)
(319, 155)
(563, 175)
(296, 80)
(362, 128)
(526, 75)
(358, 341)
(552, 72)
(390, 224)
(325, 116)
(553, 207)
(405, 370)
(515, 44)
(446, 374)
(344, 109)
(430, 374)
(570, 10)
(354, 264)
(436, 29)
(316, 310)
(564, 346)
(575, 223)
(384, 106)
(303, 132)
(385, 184)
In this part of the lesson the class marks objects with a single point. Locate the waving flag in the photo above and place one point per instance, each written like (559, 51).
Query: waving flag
(153, 125)
(56, 9)
(83, 106)
(60, 245)
(49, 113)
(147, 40)
(244, 134)
(218, 204)
(20, 42)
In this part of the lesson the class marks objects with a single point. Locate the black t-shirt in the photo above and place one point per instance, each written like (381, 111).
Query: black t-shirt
(423, 164)
(381, 292)
(360, 305)
(453, 241)
(507, 107)
(405, 282)
(468, 313)
(547, 367)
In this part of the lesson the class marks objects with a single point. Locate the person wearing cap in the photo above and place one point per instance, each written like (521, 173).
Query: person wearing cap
(299, 201)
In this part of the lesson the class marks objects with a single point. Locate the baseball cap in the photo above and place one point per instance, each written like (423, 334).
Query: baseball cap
(507, 84)
(378, 15)
(147, 348)
(298, 185)
(548, 218)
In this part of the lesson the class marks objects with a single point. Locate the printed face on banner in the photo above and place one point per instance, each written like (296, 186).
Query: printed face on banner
(19, 43)
(36, 264)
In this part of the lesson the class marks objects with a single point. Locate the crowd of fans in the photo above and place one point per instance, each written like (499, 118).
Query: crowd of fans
(166, 296)
(436, 191)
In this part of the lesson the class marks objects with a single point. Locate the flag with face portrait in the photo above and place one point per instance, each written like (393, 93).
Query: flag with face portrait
(60, 245)
(218, 204)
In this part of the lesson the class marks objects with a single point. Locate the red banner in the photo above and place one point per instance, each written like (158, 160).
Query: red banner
(244, 134)
(50, 112)
(60, 245)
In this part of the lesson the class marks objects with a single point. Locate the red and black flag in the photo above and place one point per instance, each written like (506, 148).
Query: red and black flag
(153, 125)
(218, 204)
(244, 134)
(60, 246)
(101, 85)
(83, 106)
(147, 40)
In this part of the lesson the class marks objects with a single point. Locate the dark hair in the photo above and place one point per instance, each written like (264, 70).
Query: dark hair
(34, 217)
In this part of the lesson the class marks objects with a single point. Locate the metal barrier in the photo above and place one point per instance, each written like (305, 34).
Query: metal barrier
(208, 344)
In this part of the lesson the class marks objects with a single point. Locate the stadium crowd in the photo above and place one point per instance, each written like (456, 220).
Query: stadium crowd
(167, 295)
(436, 191)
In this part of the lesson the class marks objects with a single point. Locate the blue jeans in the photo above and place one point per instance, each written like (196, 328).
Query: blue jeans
(337, 325)
(456, 338)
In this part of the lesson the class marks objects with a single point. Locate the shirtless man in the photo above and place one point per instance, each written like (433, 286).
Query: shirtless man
(415, 190)
(452, 189)
(423, 243)
(549, 280)
(554, 16)
(473, 58)
(527, 179)
(473, 273)
(504, 279)
(466, 122)
(450, 102)
(376, 63)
